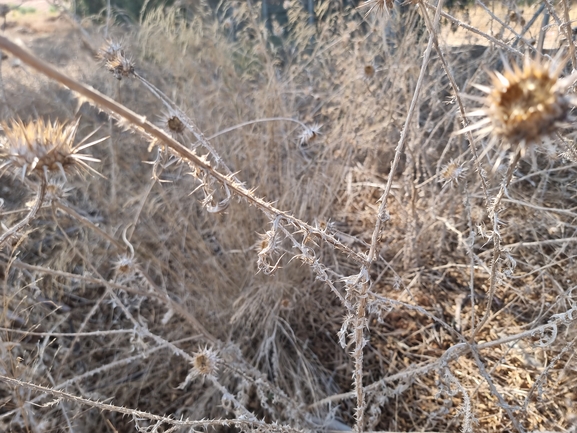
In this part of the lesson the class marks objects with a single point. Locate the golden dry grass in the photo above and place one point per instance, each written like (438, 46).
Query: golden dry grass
(126, 291)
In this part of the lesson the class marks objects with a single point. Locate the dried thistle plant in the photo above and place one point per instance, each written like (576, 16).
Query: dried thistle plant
(379, 6)
(115, 60)
(525, 106)
(452, 173)
(204, 364)
(172, 123)
(310, 134)
(42, 147)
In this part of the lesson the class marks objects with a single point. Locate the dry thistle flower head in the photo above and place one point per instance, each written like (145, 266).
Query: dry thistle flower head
(379, 6)
(452, 173)
(525, 106)
(43, 147)
(172, 123)
(125, 265)
(204, 363)
(115, 60)
(56, 191)
(310, 134)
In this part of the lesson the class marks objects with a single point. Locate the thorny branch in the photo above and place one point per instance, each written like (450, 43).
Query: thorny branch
(151, 131)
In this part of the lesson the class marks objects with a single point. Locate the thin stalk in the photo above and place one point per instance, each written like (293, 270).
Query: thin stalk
(381, 214)
(360, 324)
(569, 33)
(241, 423)
(456, 91)
(33, 211)
(496, 242)
(252, 122)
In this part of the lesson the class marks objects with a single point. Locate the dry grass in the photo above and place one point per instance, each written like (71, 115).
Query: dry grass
(313, 246)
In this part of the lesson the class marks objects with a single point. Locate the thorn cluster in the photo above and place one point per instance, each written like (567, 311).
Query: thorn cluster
(116, 61)
(525, 106)
(41, 147)
(379, 6)
(452, 173)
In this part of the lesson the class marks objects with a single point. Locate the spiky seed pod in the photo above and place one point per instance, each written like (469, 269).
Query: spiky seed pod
(115, 60)
(121, 67)
(525, 106)
(56, 191)
(378, 6)
(172, 123)
(310, 134)
(125, 265)
(204, 363)
(452, 173)
(41, 147)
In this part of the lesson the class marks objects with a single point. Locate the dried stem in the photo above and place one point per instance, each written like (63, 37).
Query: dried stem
(456, 92)
(360, 323)
(150, 130)
(240, 423)
(569, 33)
(494, 211)
(382, 212)
(33, 211)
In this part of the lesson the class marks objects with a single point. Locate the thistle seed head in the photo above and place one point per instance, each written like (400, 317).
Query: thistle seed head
(41, 147)
(205, 362)
(379, 6)
(125, 265)
(56, 191)
(310, 134)
(172, 123)
(452, 173)
(115, 60)
(525, 106)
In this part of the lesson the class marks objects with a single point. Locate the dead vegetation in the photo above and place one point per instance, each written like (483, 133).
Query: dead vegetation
(296, 233)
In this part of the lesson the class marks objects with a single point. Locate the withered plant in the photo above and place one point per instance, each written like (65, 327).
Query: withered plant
(293, 226)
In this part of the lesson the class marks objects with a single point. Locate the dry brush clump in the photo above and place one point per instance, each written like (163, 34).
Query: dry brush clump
(296, 233)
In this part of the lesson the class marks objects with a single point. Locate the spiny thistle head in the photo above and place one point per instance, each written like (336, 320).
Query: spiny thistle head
(172, 123)
(310, 134)
(452, 173)
(41, 147)
(125, 265)
(56, 191)
(204, 363)
(525, 106)
(379, 6)
(115, 60)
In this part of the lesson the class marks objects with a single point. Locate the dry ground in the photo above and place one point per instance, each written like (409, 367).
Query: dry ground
(195, 281)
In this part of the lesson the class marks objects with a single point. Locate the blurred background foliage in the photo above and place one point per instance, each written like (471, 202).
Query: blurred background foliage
(133, 8)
